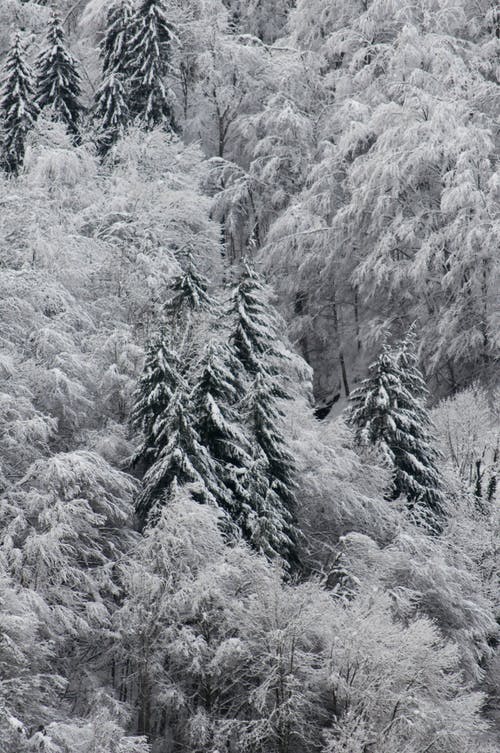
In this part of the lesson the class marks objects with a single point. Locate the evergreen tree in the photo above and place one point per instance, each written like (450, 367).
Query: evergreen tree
(278, 501)
(58, 80)
(114, 48)
(111, 111)
(214, 408)
(150, 50)
(182, 460)
(388, 411)
(17, 108)
(188, 294)
(254, 325)
(160, 379)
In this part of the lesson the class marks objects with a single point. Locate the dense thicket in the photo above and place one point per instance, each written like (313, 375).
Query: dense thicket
(189, 558)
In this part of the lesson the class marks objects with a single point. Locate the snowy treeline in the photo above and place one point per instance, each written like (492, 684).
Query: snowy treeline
(214, 216)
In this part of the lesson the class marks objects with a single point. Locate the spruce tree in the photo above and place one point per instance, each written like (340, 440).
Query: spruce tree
(254, 325)
(114, 48)
(160, 379)
(214, 402)
(111, 112)
(182, 460)
(188, 294)
(188, 306)
(18, 111)
(388, 411)
(276, 491)
(58, 80)
(150, 51)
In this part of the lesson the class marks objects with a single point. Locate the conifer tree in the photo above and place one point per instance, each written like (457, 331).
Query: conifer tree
(111, 111)
(58, 80)
(214, 409)
(255, 327)
(188, 294)
(279, 505)
(160, 379)
(388, 411)
(17, 108)
(182, 460)
(150, 50)
(114, 48)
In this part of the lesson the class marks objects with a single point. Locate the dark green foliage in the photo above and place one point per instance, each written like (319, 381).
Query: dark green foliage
(18, 111)
(388, 411)
(58, 80)
(150, 51)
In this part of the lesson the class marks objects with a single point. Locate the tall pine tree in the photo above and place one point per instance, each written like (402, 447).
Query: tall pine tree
(161, 377)
(111, 112)
(388, 411)
(182, 460)
(114, 48)
(277, 495)
(58, 80)
(150, 51)
(256, 336)
(254, 325)
(18, 111)
(214, 409)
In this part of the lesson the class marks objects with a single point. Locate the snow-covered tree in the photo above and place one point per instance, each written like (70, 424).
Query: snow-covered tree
(111, 112)
(278, 513)
(149, 64)
(114, 48)
(18, 111)
(161, 377)
(255, 329)
(388, 411)
(57, 78)
(215, 402)
(181, 460)
(188, 297)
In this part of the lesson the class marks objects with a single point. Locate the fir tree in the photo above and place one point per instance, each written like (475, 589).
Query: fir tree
(278, 501)
(182, 460)
(188, 306)
(214, 400)
(188, 294)
(58, 80)
(111, 111)
(254, 325)
(388, 411)
(17, 108)
(114, 48)
(160, 379)
(150, 50)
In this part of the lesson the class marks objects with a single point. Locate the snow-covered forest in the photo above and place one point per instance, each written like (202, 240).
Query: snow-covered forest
(249, 414)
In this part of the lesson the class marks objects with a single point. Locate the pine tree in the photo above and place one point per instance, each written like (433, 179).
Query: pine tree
(182, 460)
(159, 381)
(58, 80)
(278, 501)
(214, 408)
(17, 108)
(188, 294)
(111, 111)
(114, 48)
(388, 411)
(150, 50)
(254, 325)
